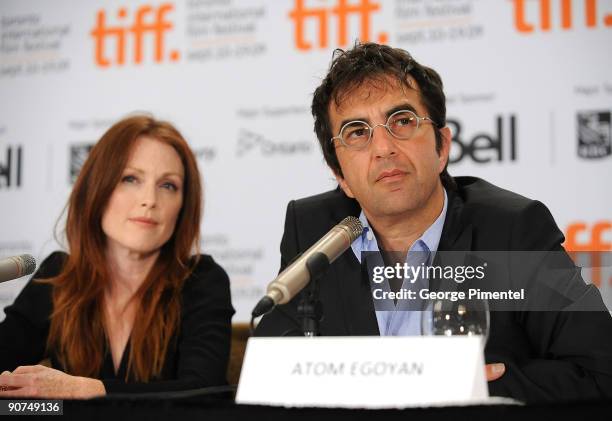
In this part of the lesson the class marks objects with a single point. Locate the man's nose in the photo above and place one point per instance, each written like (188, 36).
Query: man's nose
(383, 143)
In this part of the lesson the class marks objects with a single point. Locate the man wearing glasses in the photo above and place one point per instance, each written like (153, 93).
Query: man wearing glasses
(380, 118)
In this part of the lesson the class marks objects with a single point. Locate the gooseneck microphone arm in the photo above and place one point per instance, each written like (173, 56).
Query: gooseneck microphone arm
(310, 309)
(296, 276)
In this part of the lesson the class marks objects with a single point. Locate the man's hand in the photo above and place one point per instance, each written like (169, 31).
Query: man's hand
(495, 371)
(37, 381)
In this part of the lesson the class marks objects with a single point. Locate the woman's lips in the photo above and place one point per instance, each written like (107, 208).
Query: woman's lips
(147, 222)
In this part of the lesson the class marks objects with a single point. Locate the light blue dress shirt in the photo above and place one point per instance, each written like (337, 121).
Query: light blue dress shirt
(398, 321)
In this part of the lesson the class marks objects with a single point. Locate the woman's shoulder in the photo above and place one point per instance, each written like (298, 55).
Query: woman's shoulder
(207, 281)
(52, 265)
(204, 264)
(206, 271)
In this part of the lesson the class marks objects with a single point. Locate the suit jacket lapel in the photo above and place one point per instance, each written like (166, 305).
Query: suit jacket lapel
(355, 294)
(455, 241)
(456, 235)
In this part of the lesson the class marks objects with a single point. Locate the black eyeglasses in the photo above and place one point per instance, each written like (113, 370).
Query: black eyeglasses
(402, 124)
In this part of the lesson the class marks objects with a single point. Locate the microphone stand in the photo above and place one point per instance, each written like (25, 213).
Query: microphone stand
(310, 309)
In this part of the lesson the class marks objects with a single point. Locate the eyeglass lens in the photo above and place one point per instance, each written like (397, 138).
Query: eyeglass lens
(401, 124)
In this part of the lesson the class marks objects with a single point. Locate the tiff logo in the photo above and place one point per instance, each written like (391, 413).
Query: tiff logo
(147, 20)
(545, 14)
(342, 10)
(592, 244)
(11, 168)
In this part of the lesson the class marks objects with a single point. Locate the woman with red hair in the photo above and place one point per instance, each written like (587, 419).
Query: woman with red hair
(129, 308)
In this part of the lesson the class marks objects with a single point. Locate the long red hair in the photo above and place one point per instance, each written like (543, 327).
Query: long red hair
(77, 332)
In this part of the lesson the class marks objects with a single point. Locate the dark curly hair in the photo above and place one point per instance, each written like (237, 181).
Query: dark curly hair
(371, 62)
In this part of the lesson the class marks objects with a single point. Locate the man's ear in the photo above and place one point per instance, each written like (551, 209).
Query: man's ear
(445, 148)
(343, 185)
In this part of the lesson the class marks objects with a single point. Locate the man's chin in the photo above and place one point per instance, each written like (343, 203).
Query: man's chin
(396, 207)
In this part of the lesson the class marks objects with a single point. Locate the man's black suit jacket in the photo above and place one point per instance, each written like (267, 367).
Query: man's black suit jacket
(549, 355)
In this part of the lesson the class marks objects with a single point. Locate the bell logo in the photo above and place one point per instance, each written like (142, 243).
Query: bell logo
(482, 147)
(11, 168)
(593, 243)
(545, 13)
(342, 10)
(147, 19)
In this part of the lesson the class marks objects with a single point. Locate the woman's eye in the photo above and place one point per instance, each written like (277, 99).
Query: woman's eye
(170, 186)
(128, 179)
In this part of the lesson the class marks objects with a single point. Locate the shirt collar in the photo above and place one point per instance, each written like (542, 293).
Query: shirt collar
(428, 241)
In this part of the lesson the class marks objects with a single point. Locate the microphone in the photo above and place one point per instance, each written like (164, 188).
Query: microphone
(295, 277)
(16, 267)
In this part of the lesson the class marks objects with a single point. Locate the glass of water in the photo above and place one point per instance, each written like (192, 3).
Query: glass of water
(460, 317)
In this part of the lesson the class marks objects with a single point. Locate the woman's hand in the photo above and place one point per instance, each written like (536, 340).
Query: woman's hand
(38, 381)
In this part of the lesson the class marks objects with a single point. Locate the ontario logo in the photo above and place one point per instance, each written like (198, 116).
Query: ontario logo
(325, 13)
(133, 34)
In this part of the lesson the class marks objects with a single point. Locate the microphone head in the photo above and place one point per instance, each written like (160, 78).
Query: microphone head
(352, 226)
(26, 264)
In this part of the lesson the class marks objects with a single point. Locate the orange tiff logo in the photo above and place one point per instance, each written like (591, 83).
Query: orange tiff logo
(342, 10)
(147, 20)
(565, 13)
(593, 245)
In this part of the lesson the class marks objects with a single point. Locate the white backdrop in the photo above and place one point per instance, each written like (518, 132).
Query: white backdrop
(237, 77)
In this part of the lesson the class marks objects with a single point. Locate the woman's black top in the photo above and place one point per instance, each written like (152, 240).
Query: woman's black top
(198, 352)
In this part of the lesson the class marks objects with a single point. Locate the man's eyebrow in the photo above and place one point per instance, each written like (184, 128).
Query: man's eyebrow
(348, 120)
(403, 106)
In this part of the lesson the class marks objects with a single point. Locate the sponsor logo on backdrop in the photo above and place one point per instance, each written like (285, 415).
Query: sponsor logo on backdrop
(146, 26)
(483, 147)
(221, 30)
(78, 154)
(15, 247)
(344, 12)
(31, 45)
(582, 239)
(239, 261)
(205, 154)
(594, 134)
(440, 21)
(11, 166)
(544, 15)
(252, 142)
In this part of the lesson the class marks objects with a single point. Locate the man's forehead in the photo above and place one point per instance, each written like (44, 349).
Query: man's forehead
(372, 90)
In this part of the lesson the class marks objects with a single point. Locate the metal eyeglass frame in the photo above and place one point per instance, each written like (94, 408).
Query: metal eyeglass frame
(419, 119)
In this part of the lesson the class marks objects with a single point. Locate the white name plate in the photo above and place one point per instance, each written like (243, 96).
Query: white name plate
(363, 372)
